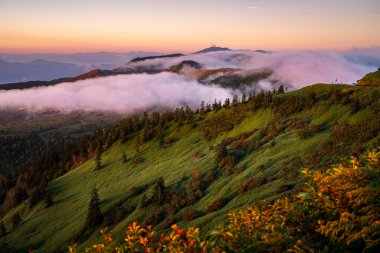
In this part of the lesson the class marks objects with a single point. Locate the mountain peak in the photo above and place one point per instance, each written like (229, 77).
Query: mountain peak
(212, 49)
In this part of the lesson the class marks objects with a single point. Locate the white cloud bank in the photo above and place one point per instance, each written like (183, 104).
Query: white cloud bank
(131, 93)
(123, 93)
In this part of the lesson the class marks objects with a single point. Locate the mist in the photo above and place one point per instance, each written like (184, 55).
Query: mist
(137, 92)
(122, 93)
(295, 68)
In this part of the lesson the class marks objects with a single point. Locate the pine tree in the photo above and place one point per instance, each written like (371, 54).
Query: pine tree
(3, 231)
(159, 191)
(147, 132)
(227, 103)
(235, 101)
(98, 159)
(16, 220)
(161, 141)
(138, 144)
(94, 216)
(124, 158)
(48, 200)
(281, 90)
(202, 108)
(221, 151)
(243, 99)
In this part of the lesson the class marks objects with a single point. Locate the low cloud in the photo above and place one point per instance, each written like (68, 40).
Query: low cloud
(296, 69)
(122, 93)
(137, 92)
(254, 8)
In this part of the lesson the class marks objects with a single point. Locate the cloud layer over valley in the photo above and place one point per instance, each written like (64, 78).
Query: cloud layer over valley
(122, 93)
(136, 92)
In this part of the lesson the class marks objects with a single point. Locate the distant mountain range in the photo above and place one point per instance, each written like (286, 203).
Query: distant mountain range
(36, 70)
(44, 73)
(212, 49)
(44, 67)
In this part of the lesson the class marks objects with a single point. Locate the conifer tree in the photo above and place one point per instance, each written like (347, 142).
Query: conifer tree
(147, 132)
(243, 98)
(227, 103)
(124, 158)
(3, 231)
(16, 220)
(159, 191)
(138, 144)
(94, 216)
(280, 89)
(98, 159)
(48, 200)
(202, 108)
(221, 151)
(235, 101)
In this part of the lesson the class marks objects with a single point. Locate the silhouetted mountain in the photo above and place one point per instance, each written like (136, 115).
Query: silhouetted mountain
(32, 84)
(212, 49)
(36, 70)
(139, 59)
(181, 65)
(100, 60)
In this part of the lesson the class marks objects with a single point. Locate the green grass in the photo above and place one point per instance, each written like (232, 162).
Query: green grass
(370, 78)
(49, 229)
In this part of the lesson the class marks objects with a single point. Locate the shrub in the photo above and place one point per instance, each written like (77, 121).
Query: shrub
(314, 128)
(215, 205)
(136, 160)
(154, 218)
(336, 211)
(190, 215)
(135, 191)
(252, 183)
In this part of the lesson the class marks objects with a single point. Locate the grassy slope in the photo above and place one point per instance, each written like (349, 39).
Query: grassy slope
(50, 228)
(370, 79)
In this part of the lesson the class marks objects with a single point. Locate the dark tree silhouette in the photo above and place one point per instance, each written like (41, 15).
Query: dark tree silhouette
(98, 159)
(94, 216)
(221, 151)
(235, 101)
(227, 103)
(281, 90)
(16, 220)
(159, 191)
(48, 200)
(3, 231)
(202, 109)
(138, 144)
(124, 158)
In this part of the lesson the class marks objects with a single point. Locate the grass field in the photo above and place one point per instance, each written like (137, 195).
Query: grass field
(51, 229)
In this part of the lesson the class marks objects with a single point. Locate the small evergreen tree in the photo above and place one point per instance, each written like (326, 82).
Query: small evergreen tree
(138, 144)
(124, 158)
(243, 98)
(221, 151)
(159, 191)
(147, 131)
(3, 231)
(16, 220)
(98, 159)
(94, 216)
(48, 200)
(227, 103)
(202, 109)
(235, 101)
(280, 89)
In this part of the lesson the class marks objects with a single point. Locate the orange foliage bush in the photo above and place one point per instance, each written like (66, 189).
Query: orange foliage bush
(338, 211)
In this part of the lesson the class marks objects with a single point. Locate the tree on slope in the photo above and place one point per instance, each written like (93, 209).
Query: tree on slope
(94, 216)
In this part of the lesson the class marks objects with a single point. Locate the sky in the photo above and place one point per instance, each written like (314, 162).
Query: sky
(35, 26)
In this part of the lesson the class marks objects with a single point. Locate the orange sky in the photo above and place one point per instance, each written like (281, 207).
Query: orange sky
(173, 25)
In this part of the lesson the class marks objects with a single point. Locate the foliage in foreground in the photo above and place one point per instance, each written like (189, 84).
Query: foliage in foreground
(337, 211)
